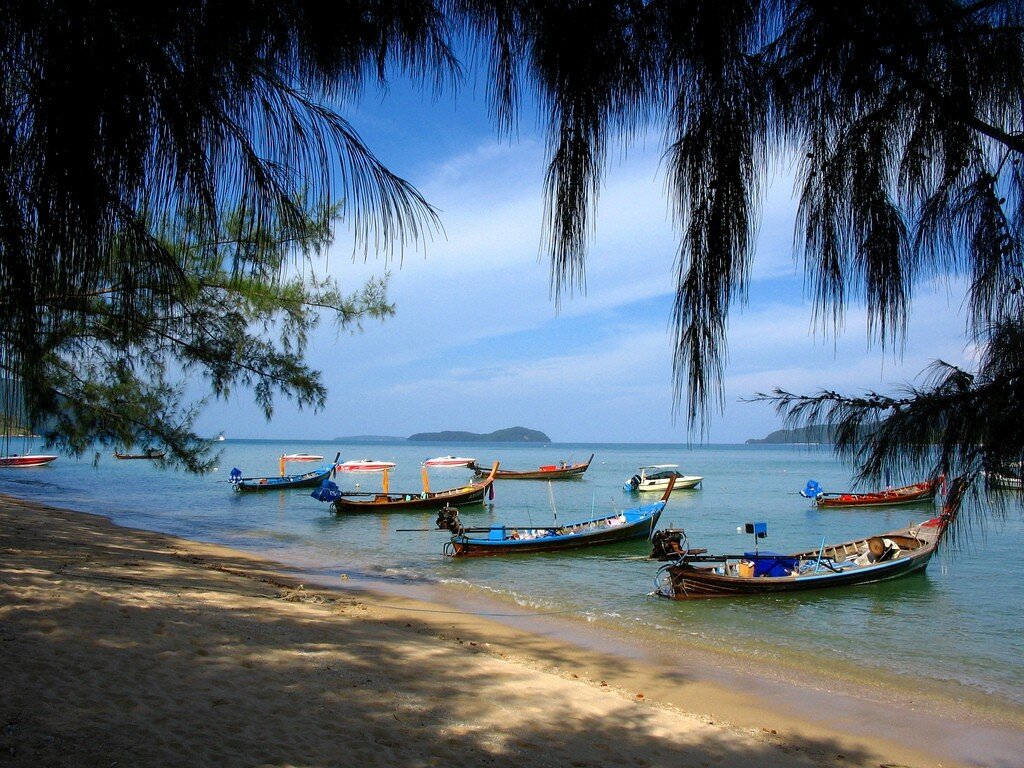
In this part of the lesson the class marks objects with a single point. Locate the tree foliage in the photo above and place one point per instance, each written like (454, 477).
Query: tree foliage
(155, 159)
(902, 120)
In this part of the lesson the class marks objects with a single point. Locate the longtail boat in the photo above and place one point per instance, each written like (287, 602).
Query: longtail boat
(26, 460)
(282, 482)
(149, 453)
(1009, 478)
(693, 574)
(386, 501)
(561, 471)
(908, 494)
(625, 525)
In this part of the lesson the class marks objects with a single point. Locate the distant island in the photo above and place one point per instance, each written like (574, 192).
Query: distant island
(814, 433)
(510, 435)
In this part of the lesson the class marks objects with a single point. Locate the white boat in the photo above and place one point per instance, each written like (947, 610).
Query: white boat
(656, 477)
(364, 465)
(448, 461)
(26, 460)
(302, 457)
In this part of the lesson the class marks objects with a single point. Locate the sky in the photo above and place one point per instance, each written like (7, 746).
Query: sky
(478, 344)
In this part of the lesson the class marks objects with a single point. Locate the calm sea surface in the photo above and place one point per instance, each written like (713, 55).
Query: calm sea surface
(957, 628)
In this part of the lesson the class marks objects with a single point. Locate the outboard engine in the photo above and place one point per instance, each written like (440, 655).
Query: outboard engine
(668, 544)
(633, 484)
(235, 475)
(812, 490)
(449, 518)
(328, 491)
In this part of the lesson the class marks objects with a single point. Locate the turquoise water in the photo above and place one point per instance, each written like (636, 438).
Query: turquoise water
(959, 623)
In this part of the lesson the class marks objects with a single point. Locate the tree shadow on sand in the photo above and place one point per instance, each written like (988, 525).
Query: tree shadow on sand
(149, 656)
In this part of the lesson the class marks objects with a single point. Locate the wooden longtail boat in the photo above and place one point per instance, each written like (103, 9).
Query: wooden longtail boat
(26, 460)
(352, 501)
(908, 494)
(506, 540)
(693, 574)
(1010, 478)
(149, 453)
(561, 471)
(310, 479)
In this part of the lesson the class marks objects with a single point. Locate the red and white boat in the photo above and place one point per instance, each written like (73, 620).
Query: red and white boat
(448, 461)
(364, 465)
(27, 460)
(302, 457)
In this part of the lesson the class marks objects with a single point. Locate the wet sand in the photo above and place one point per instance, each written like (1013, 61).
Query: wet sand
(132, 648)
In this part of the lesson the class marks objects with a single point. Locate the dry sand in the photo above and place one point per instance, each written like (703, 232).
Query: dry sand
(121, 647)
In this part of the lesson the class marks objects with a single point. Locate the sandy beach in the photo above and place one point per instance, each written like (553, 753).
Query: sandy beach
(122, 647)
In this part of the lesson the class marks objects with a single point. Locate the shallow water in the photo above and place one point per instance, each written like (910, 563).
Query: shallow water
(955, 628)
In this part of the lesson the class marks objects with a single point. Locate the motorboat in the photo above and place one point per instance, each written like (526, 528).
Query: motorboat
(301, 457)
(448, 461)
(655, 478)
(26, 460)
(364, 465)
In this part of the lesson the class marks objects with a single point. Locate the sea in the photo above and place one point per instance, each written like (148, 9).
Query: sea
(955, 630)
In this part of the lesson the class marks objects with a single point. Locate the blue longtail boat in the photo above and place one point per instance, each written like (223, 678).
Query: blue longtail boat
(282, 482)
(638, 523)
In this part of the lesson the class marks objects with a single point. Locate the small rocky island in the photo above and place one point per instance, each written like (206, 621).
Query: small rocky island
(815, 433)
(510, 435)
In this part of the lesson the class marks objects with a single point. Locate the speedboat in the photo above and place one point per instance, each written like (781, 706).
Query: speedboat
(301, 457)
(448, 461)
(364, 465)
(26, 460)
(656, 477)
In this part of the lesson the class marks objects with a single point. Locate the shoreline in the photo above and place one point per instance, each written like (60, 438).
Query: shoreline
(161, 641)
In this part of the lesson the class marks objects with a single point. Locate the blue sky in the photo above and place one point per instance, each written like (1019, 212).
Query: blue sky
(477, 344)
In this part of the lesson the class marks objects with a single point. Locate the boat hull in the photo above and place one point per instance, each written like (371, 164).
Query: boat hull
(28, 460)
(542, 473)
(689, 582)
(684, 483)
(640, 528)
(307, 480)
(364, 465)
(862, 561)
(449, 461)
(403, 502)
(911, 494)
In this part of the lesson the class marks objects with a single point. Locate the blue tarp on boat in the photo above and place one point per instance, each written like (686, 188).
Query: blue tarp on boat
(771, 563)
